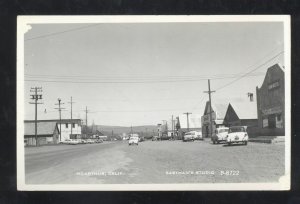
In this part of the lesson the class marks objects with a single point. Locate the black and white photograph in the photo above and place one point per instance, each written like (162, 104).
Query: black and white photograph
(153, 102)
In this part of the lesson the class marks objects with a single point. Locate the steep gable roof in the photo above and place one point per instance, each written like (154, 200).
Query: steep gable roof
(245, 110)
(219, 108)
(275, 68)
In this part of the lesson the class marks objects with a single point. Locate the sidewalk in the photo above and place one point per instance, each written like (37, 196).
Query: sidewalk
(268, 139)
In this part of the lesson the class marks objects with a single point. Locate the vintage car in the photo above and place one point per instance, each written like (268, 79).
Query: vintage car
(188, 137)
(133, 140)
(155, 138)
(237, 134)
(70, 141)
(197, 135)
(220, 135)
(89, 141)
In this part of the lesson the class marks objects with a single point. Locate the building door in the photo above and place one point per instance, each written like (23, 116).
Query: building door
(272, 121)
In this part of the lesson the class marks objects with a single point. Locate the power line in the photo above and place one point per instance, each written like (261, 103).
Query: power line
(61, 32)
(256, 68)
(126, 82)
(124, 77)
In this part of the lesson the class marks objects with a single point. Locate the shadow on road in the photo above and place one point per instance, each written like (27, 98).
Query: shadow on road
(233, 145)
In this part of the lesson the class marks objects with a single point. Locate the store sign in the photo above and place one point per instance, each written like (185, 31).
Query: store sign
(270, 111)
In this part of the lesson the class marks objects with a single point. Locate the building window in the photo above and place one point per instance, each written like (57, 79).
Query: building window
(273, 85)
(73, 125)
(265, 122)
(67, 125)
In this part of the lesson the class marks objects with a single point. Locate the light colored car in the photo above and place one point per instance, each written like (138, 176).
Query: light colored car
(237, 134)
(83, 141)
(89, 141)
(70, 141)
(197, 135)
(220, 135)
(188, 137)
(155, 138)
(133, 140)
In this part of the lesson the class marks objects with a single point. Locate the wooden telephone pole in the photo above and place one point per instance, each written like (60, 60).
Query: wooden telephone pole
(36, 97)
(210, 108)
(71, 102)
(59, 110)
(187, 120)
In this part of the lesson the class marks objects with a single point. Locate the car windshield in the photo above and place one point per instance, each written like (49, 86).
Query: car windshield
(237, 129)
(134, 138)
(222, 130)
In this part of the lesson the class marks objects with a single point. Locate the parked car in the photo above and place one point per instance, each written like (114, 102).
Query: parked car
(89, 141)
(196, 135)
(237, 134)
(220, 135)
(83, 141)
(164, 137)
(188, 137)
(155, 138)
(98, 141)
(133, 140)
(70, 141)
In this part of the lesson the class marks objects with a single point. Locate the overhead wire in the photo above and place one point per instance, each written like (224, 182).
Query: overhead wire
(60, 32)
(244, 75)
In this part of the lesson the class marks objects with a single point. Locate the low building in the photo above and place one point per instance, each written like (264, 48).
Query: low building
(243, 113)
(70, 129)
(47, 133)
(218, 113)
(271, 102)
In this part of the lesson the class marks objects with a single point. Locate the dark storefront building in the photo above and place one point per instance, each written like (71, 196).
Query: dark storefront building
(271, 102)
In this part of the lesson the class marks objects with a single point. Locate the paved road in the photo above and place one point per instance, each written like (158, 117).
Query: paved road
(154, 162)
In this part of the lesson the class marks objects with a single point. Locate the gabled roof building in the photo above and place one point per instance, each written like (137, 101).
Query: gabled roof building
(271, 101)
(47, 133)
(218, 114)
(243, 113)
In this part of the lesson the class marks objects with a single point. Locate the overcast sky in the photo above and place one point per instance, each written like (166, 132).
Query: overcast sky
(140, 74)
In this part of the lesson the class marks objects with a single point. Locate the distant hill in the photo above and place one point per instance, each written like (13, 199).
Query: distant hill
(118, 130)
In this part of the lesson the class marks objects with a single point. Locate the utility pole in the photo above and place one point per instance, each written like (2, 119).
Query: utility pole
(210, 108)
(187, 120)
(36, 97)
(172, 128)
(86, 120)
(71, 102)
(59, 110)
